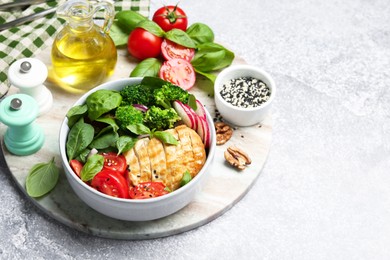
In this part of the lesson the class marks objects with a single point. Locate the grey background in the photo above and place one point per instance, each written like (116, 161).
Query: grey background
(324, 192)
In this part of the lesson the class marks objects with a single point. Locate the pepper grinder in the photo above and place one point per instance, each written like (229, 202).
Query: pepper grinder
(28, 75)
(23, 136)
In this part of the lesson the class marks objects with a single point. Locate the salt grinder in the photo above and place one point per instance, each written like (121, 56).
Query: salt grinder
(23, 136)
(28, 75)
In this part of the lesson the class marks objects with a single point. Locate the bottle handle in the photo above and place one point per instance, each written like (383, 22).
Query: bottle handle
(109, 14)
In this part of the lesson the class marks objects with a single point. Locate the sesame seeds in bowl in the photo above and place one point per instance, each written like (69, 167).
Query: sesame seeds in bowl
(243, 94)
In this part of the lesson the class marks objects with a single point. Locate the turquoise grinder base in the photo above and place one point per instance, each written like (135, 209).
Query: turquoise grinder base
(23, 136)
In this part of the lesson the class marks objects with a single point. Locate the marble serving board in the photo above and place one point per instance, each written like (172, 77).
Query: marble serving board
(224, 187)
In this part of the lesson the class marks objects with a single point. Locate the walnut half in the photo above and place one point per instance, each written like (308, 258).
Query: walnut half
(237, 158)
(224, 132)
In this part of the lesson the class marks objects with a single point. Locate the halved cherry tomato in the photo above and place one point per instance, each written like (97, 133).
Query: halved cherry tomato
(115, 162)
(172, 50)
(111, 183)
(170, 17)
(143, 44)
(146, 190)
(76, 166)
(179, 72)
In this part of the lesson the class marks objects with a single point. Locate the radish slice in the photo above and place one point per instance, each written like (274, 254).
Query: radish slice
(200, 111)
(189, 118)
(193, 120)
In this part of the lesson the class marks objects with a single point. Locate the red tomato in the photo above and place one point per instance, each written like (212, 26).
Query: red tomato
(143, 44)
(147, 190)
(76, 166)
(172, 50)
(169, 17)
(179, 72)
(115, 162)
(111, 183)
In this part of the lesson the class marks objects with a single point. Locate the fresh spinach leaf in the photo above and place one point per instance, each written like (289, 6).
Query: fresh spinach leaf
(93, 165)
(101, 102)
(147, 67)
(109, 121)
(42, 178)
(79, 137)
(104, 141)
(75, 113)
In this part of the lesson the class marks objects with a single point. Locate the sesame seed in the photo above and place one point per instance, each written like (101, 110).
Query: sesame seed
(245, 92)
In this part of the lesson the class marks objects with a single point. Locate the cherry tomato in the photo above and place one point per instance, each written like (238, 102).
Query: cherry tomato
(111, 183)
(169, 17)
(76, 166)
(147, 190)
(143, 44)
(179, 72)
(172, 50)
(115, 162)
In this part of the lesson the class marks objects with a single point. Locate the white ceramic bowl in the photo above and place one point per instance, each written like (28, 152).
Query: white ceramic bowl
(238, 115)
(127, 209)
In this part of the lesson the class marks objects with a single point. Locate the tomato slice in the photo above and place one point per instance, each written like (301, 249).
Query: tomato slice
(115, 162)
(76, 166)
(146, 190)
(172, 50)
(111, 183)
(179, 72)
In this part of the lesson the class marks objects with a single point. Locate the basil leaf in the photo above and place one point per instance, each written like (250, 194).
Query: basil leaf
(125, 143)
(101, 102)
(210, 76)
(185, 179)
(200, 33)
(180, 37)
(42, 178)
(165, 137)
(104, 141)
(148, 67)
(93, 165)
(75, 113)
(127, 20)
(211, 56)
(118, 35)
(151, 27)
(79, 137)
(139, 129)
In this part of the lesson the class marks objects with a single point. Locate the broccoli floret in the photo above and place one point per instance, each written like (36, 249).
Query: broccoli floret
(137, 94)
(160, 119)
(168, 93)
(128, 115)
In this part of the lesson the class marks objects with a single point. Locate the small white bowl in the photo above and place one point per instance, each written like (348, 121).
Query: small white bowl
(238, 115)
(130, 209)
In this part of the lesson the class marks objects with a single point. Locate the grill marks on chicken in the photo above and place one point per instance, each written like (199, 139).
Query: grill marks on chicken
(151, 160)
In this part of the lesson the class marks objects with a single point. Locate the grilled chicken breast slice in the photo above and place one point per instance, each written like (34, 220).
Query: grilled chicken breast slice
(164, 162)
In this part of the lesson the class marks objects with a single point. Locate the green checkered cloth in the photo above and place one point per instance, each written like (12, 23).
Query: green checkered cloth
(28, 39)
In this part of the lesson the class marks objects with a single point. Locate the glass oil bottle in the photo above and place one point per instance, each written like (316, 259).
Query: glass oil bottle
(83, 54)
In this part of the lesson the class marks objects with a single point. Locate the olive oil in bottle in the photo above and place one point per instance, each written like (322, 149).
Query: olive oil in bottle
(83, 54)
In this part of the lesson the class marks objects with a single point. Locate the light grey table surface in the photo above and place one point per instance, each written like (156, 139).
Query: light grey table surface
(324, 192)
